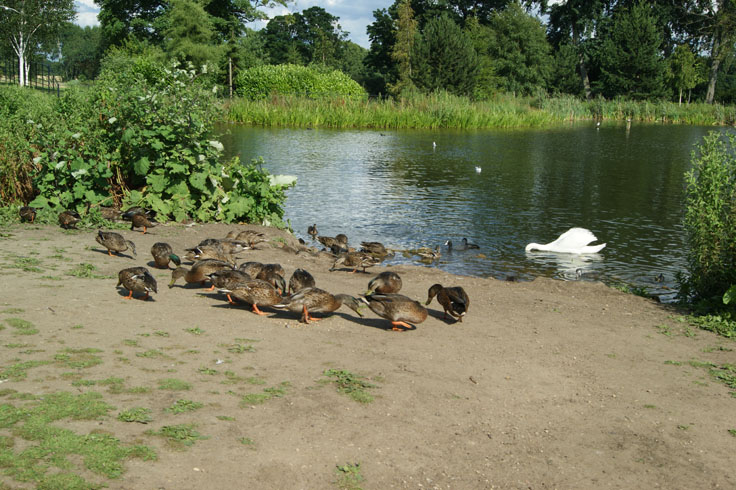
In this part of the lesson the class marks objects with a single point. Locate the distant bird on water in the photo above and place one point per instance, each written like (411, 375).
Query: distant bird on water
(478, 169)
(573, 241)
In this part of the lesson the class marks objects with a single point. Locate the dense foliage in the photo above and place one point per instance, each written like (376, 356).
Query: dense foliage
(263, 81)
(142, 135)
(710, 219)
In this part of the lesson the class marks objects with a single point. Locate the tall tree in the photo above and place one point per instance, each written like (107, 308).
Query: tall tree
(189, 35)
(685, 71)
(402, 52)
(520, 52)
(28, 23)
(230, 16)
(379, 62)
(445, 58)
(630, 54)
(80, 51)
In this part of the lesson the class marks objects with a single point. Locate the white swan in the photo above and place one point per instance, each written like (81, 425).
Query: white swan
(573, 241)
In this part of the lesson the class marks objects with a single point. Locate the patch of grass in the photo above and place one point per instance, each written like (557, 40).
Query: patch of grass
(719, 324)
(182, 406)
(140, 415)
(12, 311)
(150, 354)
(50, 454)
(239, 348)
(207, 371)
(130, 342)
(225, 417)
(79, 358)
(717, 348)
(247, 441)
(725, 373)
(194, 331)
(683, 426)
(174, 384)
(161, 333)
(77, 327)
(664, 330)
(233, 378)
(673, 363)
(650, 406)
(268, 393)
(19, 370)
(22, 327)
(348, 476)
(87, 271)
(179, 435)
(351, 384)
(732, 432)
(26, 264)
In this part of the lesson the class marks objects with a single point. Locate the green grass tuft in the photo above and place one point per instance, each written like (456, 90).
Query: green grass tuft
(179, 435)
(174, 384)
(182, 406)
(136, 414)
(348, 476)
(351, 384)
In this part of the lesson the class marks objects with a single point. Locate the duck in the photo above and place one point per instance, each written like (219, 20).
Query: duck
(229, 245)
(573, 241)
(140, 220)
(227, 279)
(300, 279)
(114, 242)
(199, 271)
(110, 213)
(128, 213)
(385, 283)
(137, 280)
(211, 251)
(251, 237)
(374, 248)
(341, 240)
(251, 268)
(454, 300)
(317, 300)
(255, 292)
(429, 255)
(400, 310)
(163, 254)
(273, 278)
(312, 230)
(69, 219)
(355, 260)
(27, 213)
(464, 245)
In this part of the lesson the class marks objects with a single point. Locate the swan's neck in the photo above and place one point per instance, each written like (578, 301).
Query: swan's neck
(535, 246)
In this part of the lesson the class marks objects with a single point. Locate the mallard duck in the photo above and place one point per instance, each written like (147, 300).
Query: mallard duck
(256, 293)
(464, 245)
(138, 280)
(429, 255)
(374, 248)
(140, 220)
(228, 279)
(163, 254)
(397, 308)
(110, 213)
(340, 240)
(27, 213)
(312, 230)
(114, 242)
(228, 245)
(274, 279)
(212, 251)
(385, 283)
(199, 271)
(300, 279)
(251, 268)
(317, 300)
(271, 268)
(355, 260)
(128, 213)
(454, 300)
(69, 219)
(251, 237)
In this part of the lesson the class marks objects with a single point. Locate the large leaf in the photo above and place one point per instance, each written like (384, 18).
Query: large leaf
(141, 166)
(729, 295)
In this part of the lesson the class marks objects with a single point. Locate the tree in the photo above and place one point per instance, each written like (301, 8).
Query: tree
(379, 62)
(27, 23)
(685, 70)
(80, 51)
(519, 50)
(189, 35)
(630, 55)
(230, 16)
(445, 58)
(402, 52)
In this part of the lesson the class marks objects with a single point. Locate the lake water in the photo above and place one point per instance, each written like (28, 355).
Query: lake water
(399, 188)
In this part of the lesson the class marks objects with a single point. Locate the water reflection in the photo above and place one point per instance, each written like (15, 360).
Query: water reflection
(399, 188)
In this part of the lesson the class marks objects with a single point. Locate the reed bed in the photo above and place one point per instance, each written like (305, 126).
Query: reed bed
(442, 110)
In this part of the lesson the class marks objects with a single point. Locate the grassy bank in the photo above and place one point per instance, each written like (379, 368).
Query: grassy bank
(447, 111)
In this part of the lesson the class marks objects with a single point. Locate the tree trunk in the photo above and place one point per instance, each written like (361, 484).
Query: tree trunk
(581, 64)
(680, 101)
(715, 56)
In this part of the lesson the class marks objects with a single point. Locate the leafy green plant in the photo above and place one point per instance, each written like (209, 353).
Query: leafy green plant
(710, 220)
(268, 393)
(181, 406)
(174, 384)
(314, 81)
(137, 414)
(348, 476)
(179, 435)
(22, 327)
(351, 384)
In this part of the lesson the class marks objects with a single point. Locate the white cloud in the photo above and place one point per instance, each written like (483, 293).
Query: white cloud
(84, 5)
(85, 19)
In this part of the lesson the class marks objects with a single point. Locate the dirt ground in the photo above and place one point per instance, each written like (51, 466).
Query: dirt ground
(545, 384)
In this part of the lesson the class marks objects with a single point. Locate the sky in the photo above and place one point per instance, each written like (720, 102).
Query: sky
(354, 15)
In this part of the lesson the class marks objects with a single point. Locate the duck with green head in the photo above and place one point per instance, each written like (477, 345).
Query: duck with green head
(163, 254)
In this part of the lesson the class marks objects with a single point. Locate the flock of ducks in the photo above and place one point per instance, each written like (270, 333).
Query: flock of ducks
(214, 263)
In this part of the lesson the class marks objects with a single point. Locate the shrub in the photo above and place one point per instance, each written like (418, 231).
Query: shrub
(143, 136)
(710, 219)
(263, 81)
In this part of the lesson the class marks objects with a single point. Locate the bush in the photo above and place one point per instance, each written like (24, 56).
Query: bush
(710, 219)
(263, 81)
(143, 136)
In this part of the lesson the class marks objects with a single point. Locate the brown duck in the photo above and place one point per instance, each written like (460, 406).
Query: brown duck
(114, 242)
(256, 293)
(317, 300)
(199, 272)
(163, 254)
(300, 279)
(454, 300)
(69, 219)
(140, 220)
(397, 308)
(138, 280)
(385, 283)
